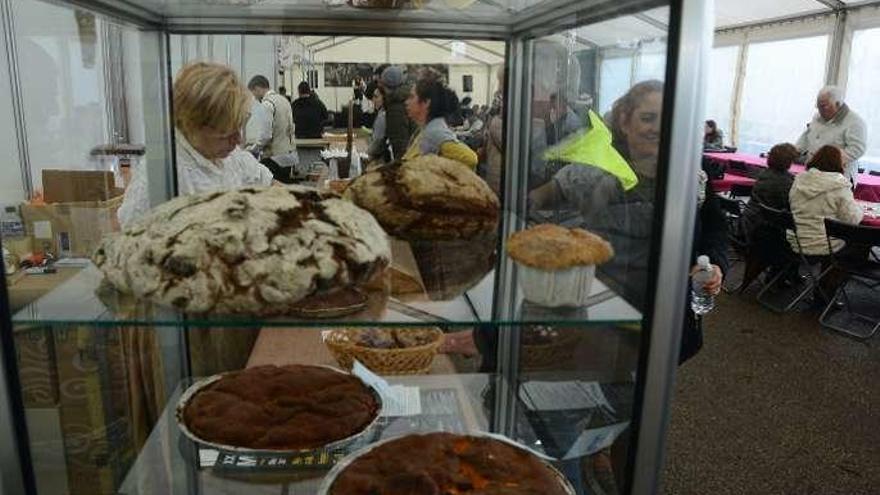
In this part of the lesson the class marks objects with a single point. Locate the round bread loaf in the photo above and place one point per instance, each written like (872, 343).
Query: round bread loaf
(427, 198)
(291, 407)
(447, 463)
(257, 251)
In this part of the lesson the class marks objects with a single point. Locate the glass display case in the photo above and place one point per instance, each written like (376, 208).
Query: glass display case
(597, 127)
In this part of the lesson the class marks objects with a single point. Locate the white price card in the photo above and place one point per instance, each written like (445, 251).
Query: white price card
(407, 401)
(563, 396)
(592, 441)
(42, 229)
(374, 381)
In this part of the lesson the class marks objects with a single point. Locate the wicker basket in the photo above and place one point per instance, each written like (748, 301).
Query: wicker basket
(404, 361)
(555, 355)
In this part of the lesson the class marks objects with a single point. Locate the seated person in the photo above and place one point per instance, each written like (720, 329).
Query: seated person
(309, 113)
(823, 191)
(713, 138)
(771, 189)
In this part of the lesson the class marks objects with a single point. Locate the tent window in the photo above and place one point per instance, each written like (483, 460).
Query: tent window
(651, 66)
(861, 93)
(615, 76)
(722, 77)
(779, 91)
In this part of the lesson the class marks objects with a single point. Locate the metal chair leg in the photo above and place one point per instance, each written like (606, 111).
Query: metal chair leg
(824, 320)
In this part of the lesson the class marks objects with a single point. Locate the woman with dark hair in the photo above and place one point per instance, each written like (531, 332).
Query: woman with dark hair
(713, 138)
(823, 191)
(771, 189)
(429, 104)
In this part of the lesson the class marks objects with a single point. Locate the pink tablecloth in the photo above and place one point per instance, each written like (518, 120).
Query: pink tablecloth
(729, 180)
(867, 186)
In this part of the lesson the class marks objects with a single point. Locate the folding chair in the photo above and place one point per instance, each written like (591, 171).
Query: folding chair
(732, 212)
(783, 221)
(741, 191)
(864, 272)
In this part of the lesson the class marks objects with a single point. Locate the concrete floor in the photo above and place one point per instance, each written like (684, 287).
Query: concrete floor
(774, 404)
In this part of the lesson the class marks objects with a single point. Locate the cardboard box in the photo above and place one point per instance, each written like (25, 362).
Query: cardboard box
(96, 420)
(71, 229)
(74, 186)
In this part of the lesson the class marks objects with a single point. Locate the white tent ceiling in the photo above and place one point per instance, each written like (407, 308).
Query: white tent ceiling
(651, 24)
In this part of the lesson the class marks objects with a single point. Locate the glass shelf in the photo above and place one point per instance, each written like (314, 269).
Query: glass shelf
(169, 463)
(85, 299)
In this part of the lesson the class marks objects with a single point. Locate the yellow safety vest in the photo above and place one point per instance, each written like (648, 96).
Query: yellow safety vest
(593, 148)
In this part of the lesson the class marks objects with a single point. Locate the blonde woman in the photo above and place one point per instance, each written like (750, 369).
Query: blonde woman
(210, 108)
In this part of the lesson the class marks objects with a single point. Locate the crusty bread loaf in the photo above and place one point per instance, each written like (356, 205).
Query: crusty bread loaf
(258, 251)
(427, 198)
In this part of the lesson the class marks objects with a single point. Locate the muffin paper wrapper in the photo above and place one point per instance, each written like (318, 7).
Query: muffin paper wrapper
(569, 287)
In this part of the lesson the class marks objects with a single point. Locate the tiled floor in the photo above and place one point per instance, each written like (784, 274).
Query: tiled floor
(774, 404)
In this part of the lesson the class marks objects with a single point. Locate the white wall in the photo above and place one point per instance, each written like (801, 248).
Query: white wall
(11, 190)
(131, 42)
(63, 92)
(227, 49)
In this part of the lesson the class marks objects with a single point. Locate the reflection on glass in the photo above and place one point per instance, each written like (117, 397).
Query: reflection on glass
(594, 162)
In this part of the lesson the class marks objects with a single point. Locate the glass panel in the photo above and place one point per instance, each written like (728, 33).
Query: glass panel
(722, 76)
(776, 106)
(864, 67)
(102, 372)
(615, 78)
(594, 166)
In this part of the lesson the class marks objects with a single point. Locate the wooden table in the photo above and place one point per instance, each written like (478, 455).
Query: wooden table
(26, 288)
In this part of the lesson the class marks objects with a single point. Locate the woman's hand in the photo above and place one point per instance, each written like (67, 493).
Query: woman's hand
(459, 343)
(713, 285)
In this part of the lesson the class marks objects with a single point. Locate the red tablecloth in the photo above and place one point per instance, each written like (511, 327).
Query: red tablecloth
(729, 180)
(867, 186)
(871, 221)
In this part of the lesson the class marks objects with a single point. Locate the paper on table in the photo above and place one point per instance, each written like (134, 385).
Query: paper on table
(73, 262)
(42, 229)
(592, 441)
(407, 401)
(562, 396)
(372, 379)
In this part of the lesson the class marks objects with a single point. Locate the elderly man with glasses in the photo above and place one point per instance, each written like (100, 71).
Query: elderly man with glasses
(837, 125)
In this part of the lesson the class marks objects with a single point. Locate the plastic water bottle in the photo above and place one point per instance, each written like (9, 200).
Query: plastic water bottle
(701, 300)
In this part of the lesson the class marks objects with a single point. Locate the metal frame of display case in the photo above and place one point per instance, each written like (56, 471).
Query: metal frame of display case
(689, 39)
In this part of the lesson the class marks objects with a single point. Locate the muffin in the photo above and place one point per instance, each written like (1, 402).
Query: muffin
(557, 265)
(256, 251)
(292, 407)
(427, 198)
(446, 463)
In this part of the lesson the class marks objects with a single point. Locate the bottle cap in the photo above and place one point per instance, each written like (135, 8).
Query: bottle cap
(703, 261)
